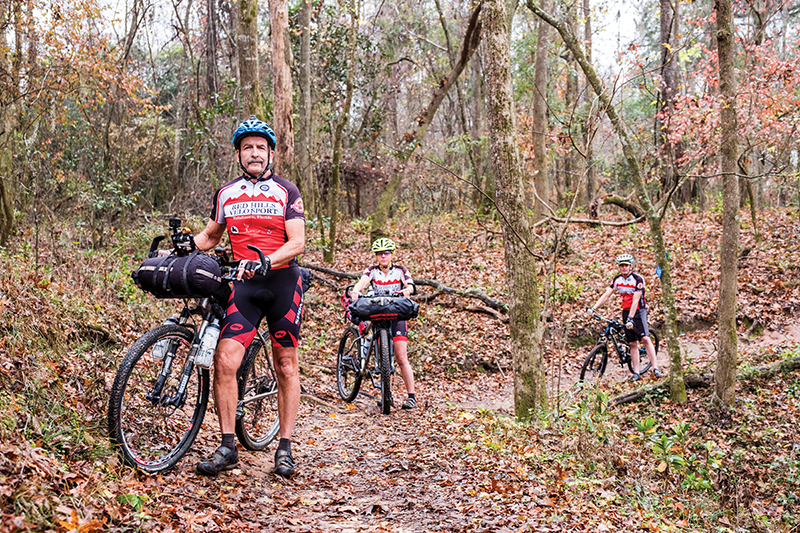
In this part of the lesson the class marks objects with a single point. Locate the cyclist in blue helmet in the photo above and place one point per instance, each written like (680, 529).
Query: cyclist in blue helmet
(252, 127)
(264, 210)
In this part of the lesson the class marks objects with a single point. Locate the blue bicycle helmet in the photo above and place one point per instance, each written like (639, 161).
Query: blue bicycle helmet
(253, 126)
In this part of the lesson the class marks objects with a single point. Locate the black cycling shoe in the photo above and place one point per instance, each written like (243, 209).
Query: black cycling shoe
(284, 464)
(410, 403)
(222, 459)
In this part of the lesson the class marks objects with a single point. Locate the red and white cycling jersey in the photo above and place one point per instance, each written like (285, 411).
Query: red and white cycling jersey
(626, 287)
(256, 213)
(390, 282)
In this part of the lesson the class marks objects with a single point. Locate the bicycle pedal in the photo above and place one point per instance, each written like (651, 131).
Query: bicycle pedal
(239, 413)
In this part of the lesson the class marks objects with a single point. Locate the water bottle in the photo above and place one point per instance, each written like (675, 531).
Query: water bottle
(365, 345)
(205, 354)
(160, 348)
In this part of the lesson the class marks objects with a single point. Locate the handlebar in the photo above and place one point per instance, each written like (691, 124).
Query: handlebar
(610, 321)
(183, 243)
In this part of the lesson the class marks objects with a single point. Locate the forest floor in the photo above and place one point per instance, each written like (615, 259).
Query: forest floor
(460, 462)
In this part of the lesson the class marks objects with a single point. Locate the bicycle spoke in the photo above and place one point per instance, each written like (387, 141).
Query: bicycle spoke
(153, 436)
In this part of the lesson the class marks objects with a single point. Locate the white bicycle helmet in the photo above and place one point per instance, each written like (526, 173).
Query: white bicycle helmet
(625, 259)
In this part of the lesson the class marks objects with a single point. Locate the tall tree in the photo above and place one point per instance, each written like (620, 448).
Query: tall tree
(725, 376)
(653, 214)
(530, 393)
(586, 120)
(669, 152)
(539, 126)
(9, 85)
(414, 138)
(247, 50)
(282, 87)
(305, 162)
(333, 187)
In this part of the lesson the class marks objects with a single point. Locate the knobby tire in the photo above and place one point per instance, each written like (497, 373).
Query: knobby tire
(386, 370)
(152, 436)
(594, 366)
(348, 365)
(257, 421)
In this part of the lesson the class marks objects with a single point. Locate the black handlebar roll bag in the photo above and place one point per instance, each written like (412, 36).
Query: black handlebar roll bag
(196, 275)
(384, 308)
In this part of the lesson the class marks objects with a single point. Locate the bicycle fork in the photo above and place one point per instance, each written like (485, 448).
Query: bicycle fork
(178, 398)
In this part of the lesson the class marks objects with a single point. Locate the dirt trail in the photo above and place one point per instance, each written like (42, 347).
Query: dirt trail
(358, 471)
(362, 471)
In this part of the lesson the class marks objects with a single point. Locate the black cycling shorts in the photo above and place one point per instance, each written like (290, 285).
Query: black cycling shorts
(278, 296)
(399, 330)
(640, 329)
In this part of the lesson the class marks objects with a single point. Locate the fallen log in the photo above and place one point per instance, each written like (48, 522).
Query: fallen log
(703, 381)
(439, 290)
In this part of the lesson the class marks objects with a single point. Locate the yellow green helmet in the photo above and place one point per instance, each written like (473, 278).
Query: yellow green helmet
(383, 245)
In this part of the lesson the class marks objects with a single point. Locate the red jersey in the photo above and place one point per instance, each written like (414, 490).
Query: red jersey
(256, 213)
(626, 287)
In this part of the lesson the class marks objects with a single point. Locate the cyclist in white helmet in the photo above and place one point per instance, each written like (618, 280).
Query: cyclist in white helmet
(389, 278)
(634, 313)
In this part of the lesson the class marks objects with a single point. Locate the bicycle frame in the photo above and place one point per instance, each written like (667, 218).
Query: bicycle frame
(179, 397)
(616, 337)
(376, 328)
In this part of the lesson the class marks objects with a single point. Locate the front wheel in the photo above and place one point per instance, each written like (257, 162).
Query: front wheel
(348, 365)
(386, 370)
(594, 366)
(644, 361)
(151, 422)
(257, 421)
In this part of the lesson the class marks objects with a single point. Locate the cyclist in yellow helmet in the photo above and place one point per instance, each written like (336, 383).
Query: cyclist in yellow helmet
(389, 278)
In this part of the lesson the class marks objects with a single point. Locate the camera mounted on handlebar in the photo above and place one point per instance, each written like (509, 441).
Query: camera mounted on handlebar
(182, 239)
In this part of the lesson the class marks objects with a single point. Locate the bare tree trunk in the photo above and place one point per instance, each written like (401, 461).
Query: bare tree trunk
(414, 138)
(333, 187)
(282, 87)
(470, 146)
(677, 385)
(540, 182)
(247, 49)
(588, 135)
(530, 394)
(725, 376)
(7, 134)
(305, 126)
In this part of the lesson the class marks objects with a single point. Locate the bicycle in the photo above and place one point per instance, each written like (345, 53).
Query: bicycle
(160, 393)
(353, 360)
(594, 366)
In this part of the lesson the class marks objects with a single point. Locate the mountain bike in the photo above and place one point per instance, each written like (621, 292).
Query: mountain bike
(160, 393)
(594, 366)
(368, 351)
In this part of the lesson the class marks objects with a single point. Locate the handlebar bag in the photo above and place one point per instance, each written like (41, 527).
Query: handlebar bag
(384, 308)
(196, 275)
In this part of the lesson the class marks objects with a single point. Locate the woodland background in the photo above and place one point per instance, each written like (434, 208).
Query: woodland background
(115, 117)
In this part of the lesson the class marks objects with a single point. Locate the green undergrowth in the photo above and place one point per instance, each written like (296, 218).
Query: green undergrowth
(654, 466)
(64, 326)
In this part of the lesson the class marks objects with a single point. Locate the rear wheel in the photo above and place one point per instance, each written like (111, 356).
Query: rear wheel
(644, 361)
(594, 366)
(257, 421)
(348, 366)
(386, 370)
(150, 424)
